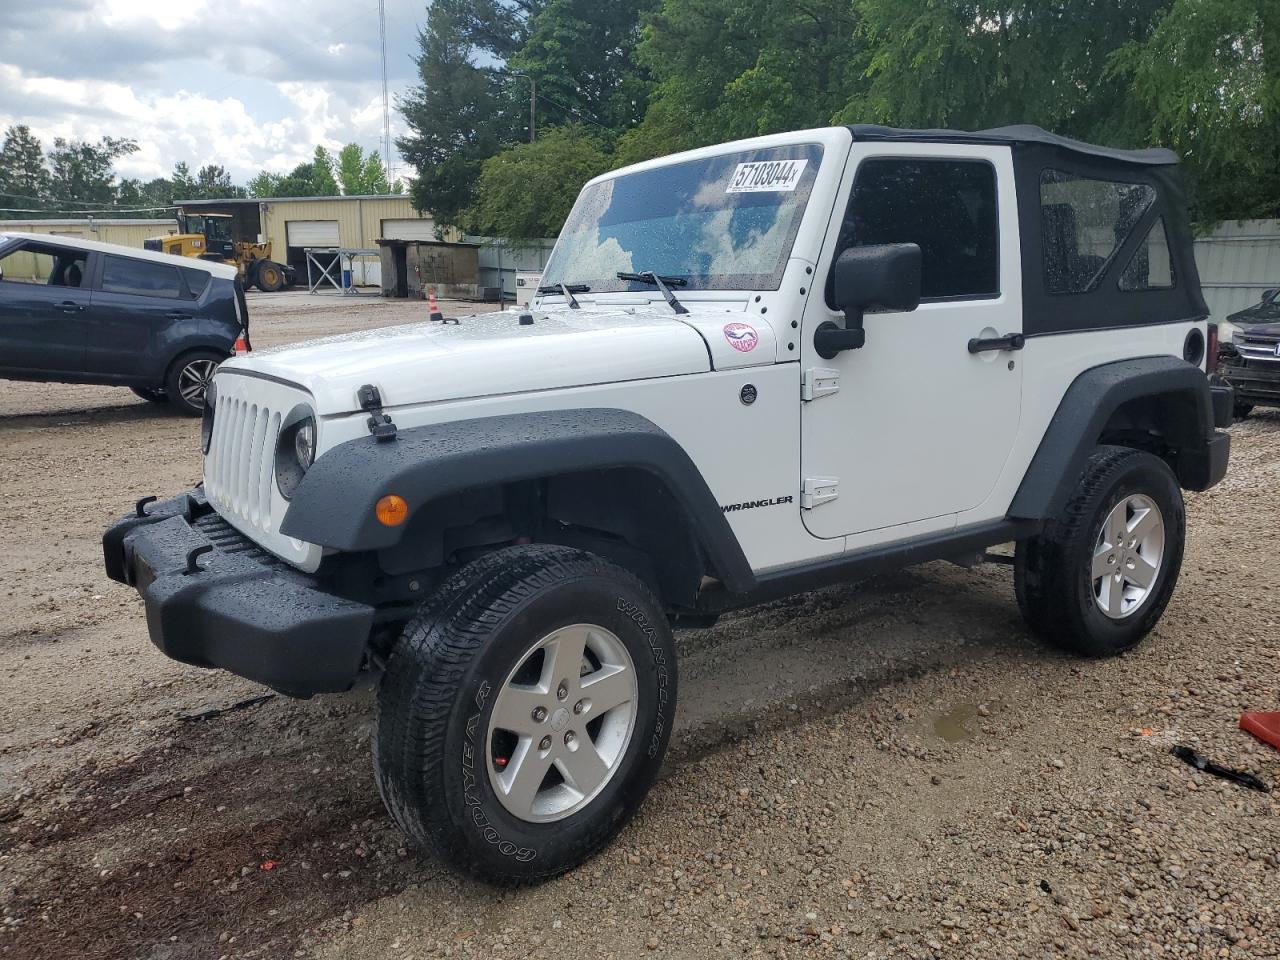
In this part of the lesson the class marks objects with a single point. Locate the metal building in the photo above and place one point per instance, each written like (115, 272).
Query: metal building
(293, 224)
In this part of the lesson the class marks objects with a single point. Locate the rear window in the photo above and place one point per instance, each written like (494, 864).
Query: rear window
(141, 278)
(1084, 222)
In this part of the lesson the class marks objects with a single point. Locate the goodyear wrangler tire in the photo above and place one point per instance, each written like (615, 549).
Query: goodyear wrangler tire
(525, 712)
(1098, 578)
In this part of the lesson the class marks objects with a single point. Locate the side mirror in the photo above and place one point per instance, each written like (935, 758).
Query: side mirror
(1269, 296)
(883, 276)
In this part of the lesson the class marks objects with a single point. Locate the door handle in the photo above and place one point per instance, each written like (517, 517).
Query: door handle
(177, 316)
(70, 306)
(1011, 341)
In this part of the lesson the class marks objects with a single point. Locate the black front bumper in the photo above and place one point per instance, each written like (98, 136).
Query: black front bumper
(1255, 381)
(216, 599)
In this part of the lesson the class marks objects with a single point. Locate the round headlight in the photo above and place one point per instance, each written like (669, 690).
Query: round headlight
(295, 450)
(206, 419)
(304, 442)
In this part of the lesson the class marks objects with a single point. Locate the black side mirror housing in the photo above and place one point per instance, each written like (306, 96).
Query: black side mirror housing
(883, 276)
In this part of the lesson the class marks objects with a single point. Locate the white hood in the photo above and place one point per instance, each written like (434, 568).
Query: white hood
(490, 354)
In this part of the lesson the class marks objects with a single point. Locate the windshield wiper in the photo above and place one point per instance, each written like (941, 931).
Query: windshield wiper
(567, 290)
(662, 283)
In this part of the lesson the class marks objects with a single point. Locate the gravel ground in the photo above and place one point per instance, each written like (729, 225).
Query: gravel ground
(885, 769)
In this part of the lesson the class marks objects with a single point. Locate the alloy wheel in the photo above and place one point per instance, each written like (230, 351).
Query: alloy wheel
(561, 723)
(1127, 556)
(194, 380)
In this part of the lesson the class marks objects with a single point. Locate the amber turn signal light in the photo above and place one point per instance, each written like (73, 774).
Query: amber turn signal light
(391, 510)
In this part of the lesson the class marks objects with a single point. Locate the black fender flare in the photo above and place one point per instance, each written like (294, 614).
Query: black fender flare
(1087, 406)
(334, 504)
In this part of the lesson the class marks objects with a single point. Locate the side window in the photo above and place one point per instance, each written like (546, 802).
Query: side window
(948, 207)
(196, 280)
(140, 277)
(1150, 267)
(45, 265)
(1083, 222)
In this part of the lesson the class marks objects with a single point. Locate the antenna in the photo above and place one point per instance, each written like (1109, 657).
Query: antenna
(386, 109)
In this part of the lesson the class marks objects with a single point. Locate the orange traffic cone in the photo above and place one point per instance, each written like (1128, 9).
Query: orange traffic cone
(433, 307)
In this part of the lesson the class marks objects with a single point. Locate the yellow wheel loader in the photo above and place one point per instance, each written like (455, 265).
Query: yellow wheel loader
(207, 236)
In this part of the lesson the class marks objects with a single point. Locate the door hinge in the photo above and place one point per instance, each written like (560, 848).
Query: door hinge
(819, 382)
(818, 490)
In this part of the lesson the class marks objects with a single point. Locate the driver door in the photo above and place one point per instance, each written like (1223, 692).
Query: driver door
(903, 434)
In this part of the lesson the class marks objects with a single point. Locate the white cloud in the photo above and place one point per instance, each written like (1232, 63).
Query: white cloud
(193, 83)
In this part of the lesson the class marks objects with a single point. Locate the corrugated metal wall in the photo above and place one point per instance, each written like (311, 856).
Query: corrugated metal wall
(129, 233)
(359, 220)
(1237, 262)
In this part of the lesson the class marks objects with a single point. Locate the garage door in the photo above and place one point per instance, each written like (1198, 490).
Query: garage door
(423, 228)
(312, 233)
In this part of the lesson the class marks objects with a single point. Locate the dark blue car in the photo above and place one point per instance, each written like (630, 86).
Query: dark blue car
(80, 311)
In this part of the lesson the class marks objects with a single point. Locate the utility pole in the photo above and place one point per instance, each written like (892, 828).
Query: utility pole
(386, 112)
(533, 106)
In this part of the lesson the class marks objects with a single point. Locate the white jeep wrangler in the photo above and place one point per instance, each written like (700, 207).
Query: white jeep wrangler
(754, 369)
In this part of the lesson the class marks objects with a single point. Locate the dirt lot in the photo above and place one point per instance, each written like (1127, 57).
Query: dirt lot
(887, 769)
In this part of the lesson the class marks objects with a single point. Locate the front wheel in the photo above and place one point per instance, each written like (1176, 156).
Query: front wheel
(1097, 578)
(270, 276)
(1242, 410)
(525, 712)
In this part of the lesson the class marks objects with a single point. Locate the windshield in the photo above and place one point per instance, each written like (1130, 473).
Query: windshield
(721, 223)
(212, 228)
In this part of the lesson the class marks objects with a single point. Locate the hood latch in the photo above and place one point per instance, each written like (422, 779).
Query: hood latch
(380, 424)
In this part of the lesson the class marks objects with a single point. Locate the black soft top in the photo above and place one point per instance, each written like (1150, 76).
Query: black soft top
(1018, 134)
(1039, 158)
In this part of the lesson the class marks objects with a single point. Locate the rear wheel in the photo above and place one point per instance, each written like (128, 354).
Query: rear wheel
(1242, 410)
(150, 394)
(1096, 579)
(270, 276)
(524, 712)
(188, 380)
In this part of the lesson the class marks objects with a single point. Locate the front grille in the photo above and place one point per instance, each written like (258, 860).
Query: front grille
(227, 539)
(1257, 348)
(239, 472)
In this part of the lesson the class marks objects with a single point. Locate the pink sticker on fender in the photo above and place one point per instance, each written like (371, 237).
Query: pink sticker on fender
(741, 336)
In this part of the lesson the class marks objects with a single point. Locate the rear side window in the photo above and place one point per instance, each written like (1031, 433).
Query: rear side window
(1083, 223)
(141, 278)
(1150, 267)
(196, 280)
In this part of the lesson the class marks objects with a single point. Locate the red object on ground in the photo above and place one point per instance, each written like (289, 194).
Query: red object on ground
(433, 307)
(1264, 726)
(270, 864)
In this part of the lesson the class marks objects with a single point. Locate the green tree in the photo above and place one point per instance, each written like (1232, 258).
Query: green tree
(24, 181)
(361, 173)
(956, 63)
(265, 184)
(528, 190)
(582, 54)
(323, 183)
(81, 172)
(738, 68)
(1210, 75)
(454, 113)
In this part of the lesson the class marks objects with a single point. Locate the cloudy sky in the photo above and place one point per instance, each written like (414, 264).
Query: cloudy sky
(249, 84)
